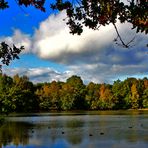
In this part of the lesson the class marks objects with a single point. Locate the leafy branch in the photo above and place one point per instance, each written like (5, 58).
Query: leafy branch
(8, 53)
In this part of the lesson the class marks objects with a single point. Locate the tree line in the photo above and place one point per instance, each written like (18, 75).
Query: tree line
(19, 94)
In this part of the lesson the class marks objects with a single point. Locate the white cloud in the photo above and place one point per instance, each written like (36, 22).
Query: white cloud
(53, 39)
(93, 55)
(40, 74)
(19, 39)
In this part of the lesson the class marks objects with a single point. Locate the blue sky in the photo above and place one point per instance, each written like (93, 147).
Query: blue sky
(51, 53)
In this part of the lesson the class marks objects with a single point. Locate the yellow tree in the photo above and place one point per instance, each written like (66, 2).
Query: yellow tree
(106, 100)
(134, 96)
(54, 95)
(43, 94)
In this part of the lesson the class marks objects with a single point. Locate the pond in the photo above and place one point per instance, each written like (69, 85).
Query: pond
(87, 129)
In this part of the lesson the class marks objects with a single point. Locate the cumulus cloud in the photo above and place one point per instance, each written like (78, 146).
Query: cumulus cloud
(19, 39)
(53, 41)
(40, 74)
(93, 55)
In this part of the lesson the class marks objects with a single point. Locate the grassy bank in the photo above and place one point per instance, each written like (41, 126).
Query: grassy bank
(144, 109)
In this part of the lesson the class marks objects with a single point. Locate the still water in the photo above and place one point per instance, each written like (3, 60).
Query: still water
(102, 129)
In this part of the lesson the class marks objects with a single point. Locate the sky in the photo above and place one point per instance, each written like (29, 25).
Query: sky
(52, 53)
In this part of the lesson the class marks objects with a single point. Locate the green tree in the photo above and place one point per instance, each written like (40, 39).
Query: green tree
(6, 83)
(126, 91)
(67, 97)
(73, 94)
(22, 94)
(118, 94)
(145, 93)
(92, 95)
(145, 98)
(79, 91)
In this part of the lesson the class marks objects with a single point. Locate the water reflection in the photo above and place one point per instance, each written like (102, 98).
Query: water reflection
(14, 132)
(76, 131)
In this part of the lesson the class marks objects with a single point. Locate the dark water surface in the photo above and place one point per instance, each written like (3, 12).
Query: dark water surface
(102, 129)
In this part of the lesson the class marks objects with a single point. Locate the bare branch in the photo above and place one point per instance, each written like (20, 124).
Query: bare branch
(118, 36)
(131, 40)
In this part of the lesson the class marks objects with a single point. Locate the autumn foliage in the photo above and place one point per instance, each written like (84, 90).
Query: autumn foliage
(18, 94)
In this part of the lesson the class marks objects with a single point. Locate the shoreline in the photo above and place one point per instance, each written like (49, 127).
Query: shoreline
(142, 109)
(81, 112)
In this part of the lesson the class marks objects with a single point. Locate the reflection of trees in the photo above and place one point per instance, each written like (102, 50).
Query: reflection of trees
(71, 130)
(129, 128)
(137, 129)
(14, 132)
(74, 124)
(74, 139)
(74, 131)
